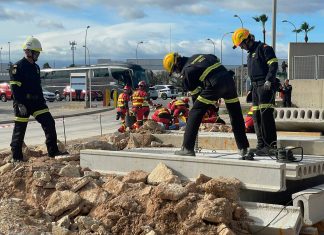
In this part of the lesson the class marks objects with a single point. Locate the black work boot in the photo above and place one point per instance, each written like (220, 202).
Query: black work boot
(246, 155)
(266, 151)
(185, 152)
(58, 153)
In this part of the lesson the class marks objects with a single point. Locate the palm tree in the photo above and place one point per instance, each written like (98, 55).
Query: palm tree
(304, 27)
(263, 19)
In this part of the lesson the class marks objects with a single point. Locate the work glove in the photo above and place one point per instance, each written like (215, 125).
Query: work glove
(22, 109)
(267, 85)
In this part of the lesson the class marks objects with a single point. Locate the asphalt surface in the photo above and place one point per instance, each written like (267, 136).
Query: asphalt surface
(57, 109)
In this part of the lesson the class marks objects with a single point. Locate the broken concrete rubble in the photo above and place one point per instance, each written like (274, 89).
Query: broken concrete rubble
(68, 199)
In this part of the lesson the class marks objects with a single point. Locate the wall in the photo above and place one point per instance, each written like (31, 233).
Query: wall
(308, 93)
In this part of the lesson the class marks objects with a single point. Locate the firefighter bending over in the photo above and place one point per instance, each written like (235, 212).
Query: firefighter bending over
(204, 74)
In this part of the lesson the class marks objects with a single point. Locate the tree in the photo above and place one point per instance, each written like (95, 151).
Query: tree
(304, 27)
(263, 19)
(46, 66)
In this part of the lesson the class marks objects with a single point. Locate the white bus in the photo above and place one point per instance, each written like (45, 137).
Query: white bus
(112, 76)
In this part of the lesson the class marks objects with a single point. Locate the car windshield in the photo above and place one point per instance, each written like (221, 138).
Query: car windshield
(44, 90)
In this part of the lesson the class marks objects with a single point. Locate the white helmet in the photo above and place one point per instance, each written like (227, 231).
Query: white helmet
(33, 44)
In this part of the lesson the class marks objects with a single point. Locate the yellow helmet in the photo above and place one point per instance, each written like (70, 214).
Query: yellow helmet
(169, 61)
(239, 36)
(33, 44)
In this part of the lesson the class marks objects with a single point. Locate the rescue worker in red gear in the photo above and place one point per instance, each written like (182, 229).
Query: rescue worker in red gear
(186, 100)
(204, 74)
(122, 107)
(28, 100)
(249, 125)
(178, 108)
(211, 115)
(162, 115)
(262, 66)
(140, 100)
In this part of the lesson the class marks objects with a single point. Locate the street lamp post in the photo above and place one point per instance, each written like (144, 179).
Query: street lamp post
(287, 21)
(221, 59)
(85, 46)
(241, 77)
(208, 39)
(9, 53)
(88, 54)
(141, 42)
(73, 48)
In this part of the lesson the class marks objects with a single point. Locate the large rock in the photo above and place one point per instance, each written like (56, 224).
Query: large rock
(223, 187)
(70, 171)
(93, 194)
(173, 192)
(137, 140)
(61, 201)
(115, 186)
(136, 177)
(218, 210)
(161, 173)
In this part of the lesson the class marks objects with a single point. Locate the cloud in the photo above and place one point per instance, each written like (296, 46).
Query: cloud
(131, 13)
(196, 9)
(50, 24)
(8, 14)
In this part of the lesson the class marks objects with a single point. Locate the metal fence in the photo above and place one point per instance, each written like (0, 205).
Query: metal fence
(308, 67)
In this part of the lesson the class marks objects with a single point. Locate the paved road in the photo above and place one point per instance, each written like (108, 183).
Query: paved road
(75, 127)
(86, 125)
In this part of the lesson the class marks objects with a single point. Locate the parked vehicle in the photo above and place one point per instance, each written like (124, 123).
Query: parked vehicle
(81, 94)
(153, 93)
(166, 91)
(5, 92)
(48, 96)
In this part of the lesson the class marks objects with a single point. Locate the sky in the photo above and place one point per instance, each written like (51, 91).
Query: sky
(117, 27)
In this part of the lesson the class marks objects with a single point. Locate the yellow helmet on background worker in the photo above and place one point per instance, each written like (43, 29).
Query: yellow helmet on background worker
(239, 36)
(32, 44)
(169, 61)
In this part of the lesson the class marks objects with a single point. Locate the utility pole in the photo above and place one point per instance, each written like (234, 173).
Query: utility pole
(73, 44)
(274, 23)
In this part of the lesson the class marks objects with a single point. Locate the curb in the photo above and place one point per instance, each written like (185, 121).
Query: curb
(68, 115)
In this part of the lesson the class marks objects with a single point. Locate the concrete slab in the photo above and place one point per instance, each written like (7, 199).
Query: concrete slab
(250, 173)
(271, 219)
(312, 145)
(311, 203)
(310, 166)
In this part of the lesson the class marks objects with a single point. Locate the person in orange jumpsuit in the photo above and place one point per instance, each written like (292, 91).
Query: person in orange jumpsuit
(162, 115)
(140, 104)
(122, 107)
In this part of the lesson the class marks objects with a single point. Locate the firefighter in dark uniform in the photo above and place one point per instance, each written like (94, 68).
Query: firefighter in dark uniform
(262, 68)
(28, 100)
(207, 80)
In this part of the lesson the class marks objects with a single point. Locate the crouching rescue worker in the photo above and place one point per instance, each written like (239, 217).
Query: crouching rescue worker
(122, 107)
(205, 71)
(249, 125)
(262, 68)
(211, 115)
(178, 108)
(162, 115)
(140, 100)
(28, 100)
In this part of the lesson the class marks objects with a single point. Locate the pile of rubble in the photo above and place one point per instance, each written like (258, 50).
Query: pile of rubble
(59, 197)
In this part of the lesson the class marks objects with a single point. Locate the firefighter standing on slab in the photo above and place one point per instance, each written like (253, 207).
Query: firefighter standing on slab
(28, 100)
(204, 74)
(262, 68)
